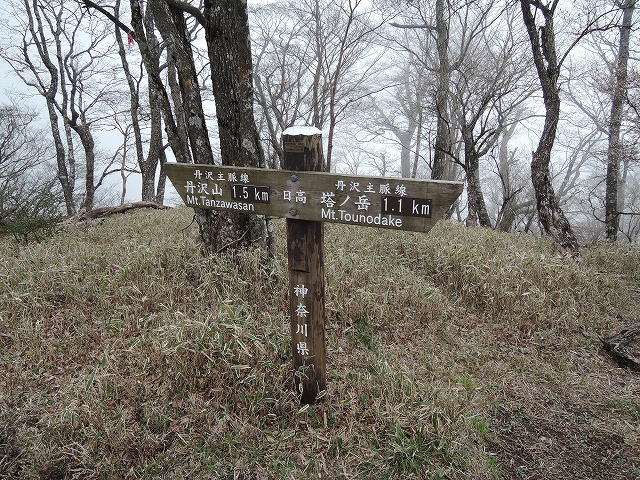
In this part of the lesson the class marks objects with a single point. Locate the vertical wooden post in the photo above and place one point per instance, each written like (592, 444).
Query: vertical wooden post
(303, 151)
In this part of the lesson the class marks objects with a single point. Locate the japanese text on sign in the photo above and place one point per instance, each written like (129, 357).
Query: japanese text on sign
(302, 328)
(395, 203)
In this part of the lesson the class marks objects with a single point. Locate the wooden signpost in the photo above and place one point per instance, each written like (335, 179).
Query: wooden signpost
(307, 198)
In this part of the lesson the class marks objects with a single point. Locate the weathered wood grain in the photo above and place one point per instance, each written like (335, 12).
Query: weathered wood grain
(305, 240)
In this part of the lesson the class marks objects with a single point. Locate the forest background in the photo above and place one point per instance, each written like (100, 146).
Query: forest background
(443, 90)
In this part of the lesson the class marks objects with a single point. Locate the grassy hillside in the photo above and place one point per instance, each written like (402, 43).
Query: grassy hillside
(461, 354)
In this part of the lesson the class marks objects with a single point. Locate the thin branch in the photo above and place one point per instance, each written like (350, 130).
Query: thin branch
(188, 8)
(413, 26)
(591, 27)
(110, 16)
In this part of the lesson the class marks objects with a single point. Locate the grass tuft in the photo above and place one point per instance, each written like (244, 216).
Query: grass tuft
(462, 354)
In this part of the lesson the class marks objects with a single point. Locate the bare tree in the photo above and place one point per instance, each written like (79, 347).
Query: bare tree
(612, 218)
(539, 20)
(20, 150)
(480, 79)
(514, 198)
(488, 90)
(590, 86)
(52, 52)
(29, 200)
(454, 28)
(32, 34)
(400, 111)
(361, 23)
(315, 63)
(226, 29)
(285, 69)
(155, 156)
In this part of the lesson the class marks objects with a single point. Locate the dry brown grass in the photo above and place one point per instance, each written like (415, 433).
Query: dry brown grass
(462, 354)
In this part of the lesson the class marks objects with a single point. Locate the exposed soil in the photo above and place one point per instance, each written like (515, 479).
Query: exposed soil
(546, 432)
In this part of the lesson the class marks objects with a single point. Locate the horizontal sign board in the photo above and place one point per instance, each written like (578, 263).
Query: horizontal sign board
(385, 202)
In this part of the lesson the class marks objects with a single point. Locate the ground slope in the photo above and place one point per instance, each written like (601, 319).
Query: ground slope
(461, 354)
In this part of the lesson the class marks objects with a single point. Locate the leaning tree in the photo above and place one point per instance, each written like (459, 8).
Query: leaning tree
(539, 19)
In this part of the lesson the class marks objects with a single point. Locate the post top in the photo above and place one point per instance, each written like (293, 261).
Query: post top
(302, 130)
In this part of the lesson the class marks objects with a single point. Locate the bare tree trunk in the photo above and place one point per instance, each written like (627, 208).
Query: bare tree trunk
(542, 39)
(123, 171)
(65, 173)
(134, 110)
(67, 182)
(476, 204)
(272, 127)
(162, 178)
(442, 94)
(173, 29)
(88, 145)
(507, 214)
(149, 51)
(156, 155)
(63, 105)
(318, 100)
(405, 153)
(416, 154)
(614, 151)
(148, 166)
(227, 36)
